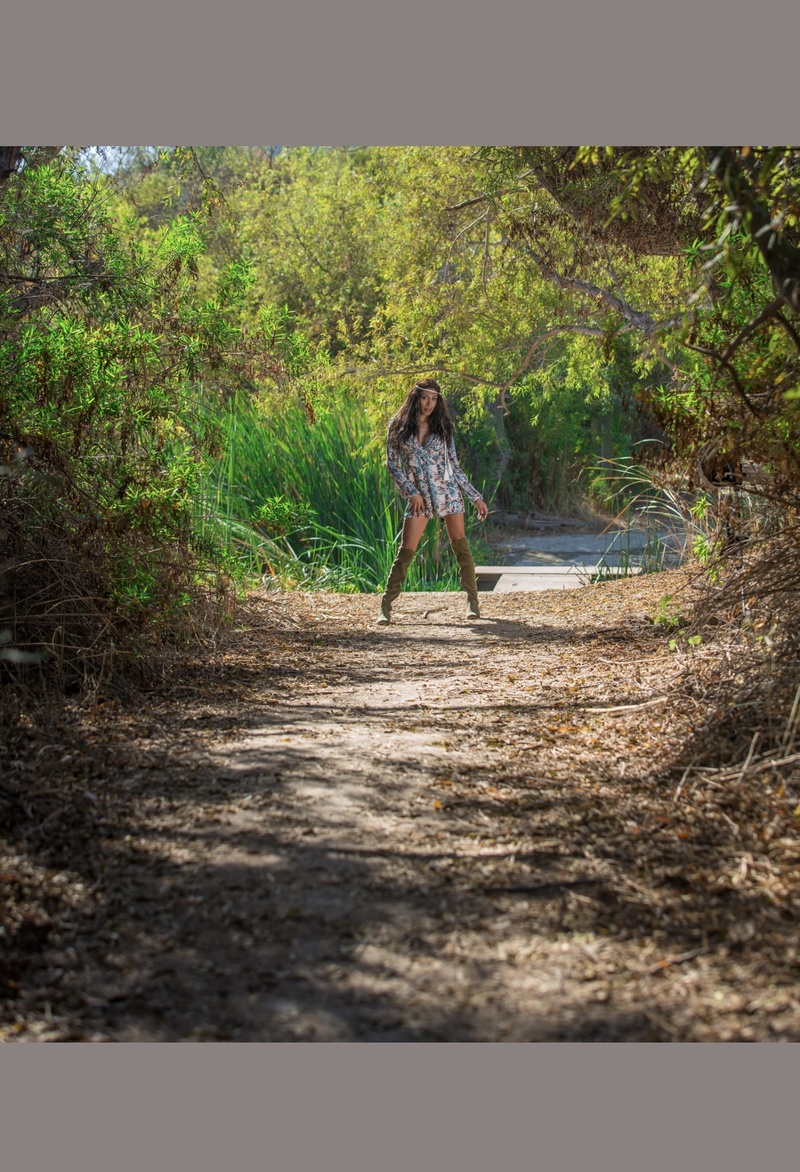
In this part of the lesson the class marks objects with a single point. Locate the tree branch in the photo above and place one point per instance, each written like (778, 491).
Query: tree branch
(754, 323)
(12, 158)
(42, 293)
(372, 373)
(723, 361)
(587, 331)
(486, 197)
(790, 330)
(635, 318)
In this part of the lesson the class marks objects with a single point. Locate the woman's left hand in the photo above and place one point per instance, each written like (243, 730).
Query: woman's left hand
(482, 509)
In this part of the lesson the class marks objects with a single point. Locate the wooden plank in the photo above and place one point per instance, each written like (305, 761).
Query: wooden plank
(528, 569)
(568, 568)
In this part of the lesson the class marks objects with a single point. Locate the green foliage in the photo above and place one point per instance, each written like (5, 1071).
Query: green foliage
(671, 619)
(104, 342)
(279, 517)
(669, 615)
(589, 291)
(735, 401)
(386, 279)
(701, 548)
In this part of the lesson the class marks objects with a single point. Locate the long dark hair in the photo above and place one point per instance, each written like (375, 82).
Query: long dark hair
(404, 423)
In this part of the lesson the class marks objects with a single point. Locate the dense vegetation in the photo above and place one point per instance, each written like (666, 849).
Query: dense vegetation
(200, 350)
(107, 357)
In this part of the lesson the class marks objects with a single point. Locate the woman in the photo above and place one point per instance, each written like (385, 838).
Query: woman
(421, 459)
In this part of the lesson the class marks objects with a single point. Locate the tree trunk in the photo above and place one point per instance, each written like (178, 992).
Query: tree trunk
(503, 444)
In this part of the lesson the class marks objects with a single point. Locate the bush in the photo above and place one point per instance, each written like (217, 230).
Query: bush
(103, 348)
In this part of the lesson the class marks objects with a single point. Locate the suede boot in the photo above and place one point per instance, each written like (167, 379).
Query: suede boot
(469, 581)
(397, 576)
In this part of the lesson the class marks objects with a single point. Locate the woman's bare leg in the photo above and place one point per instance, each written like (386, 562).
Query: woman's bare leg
(455, 526)
(413, 528)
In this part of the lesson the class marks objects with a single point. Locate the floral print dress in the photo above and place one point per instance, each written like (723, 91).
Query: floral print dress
(432, 470)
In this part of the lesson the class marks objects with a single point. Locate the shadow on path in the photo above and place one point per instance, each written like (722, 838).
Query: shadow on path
(334, 870)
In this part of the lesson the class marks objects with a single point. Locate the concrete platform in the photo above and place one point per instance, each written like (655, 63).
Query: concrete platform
(565, 561)
(533, 577)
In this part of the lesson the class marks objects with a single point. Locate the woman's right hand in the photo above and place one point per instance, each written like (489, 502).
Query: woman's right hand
(417, 506)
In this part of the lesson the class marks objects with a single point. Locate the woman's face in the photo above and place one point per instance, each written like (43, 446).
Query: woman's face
(427, 402)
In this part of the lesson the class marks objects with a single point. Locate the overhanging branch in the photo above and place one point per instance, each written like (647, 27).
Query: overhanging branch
(586, 331)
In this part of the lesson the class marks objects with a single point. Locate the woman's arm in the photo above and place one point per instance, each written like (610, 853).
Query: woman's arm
(394, 466)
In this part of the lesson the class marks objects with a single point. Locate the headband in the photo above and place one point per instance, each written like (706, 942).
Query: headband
(417, 387)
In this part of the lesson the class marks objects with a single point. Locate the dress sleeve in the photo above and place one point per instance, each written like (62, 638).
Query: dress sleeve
(395, 468)
(469, 490)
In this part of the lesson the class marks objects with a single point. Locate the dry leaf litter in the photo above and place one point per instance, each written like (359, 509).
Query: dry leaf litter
(438, 831)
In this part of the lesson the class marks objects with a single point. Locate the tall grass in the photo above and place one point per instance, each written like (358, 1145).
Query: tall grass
(347, 513)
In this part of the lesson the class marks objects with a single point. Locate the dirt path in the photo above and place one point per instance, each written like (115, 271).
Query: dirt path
(435, 831)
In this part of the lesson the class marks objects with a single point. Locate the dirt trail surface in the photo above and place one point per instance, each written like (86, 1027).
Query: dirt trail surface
(435, 831)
